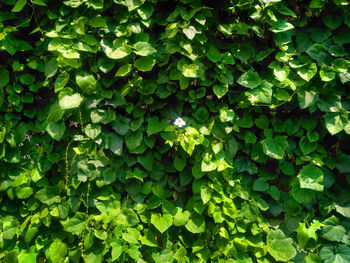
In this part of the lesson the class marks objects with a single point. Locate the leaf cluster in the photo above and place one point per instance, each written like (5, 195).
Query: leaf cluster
(93, 168)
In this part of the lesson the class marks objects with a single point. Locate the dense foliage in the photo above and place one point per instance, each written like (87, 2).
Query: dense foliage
(93, 168)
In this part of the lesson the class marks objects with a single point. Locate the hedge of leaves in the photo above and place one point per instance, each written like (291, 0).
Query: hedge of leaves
(93, 168)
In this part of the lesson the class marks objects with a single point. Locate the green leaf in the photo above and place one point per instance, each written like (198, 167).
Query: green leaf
(51, 68)
(280, 71)
(133, 4)
(48, 195)
(148, 88)
(341, 65)
(39, 2)
(162, 223)
(206, 193)
(145, 63)
(196, 224)
(70, 101)
(76, 224)
(115, 51)
(73, 3)
(170, 32)
(333, 20)
(19, 6)
(134, 140)
(249, 79)
(121, 125)
(319, 35)
(188, 144)
(134, 252)
(339, 253)
(226, 115)
(312, 136)
(260, 185)
(181, 218)
(275, 147)
(220, 90)
(25, 257)
(311, 177)
(274, 192)
(261, 94)
(146, 161)
(344, 163)
(306, 146)
(337, 51)
(242, 51)
(92, 130)
(280, 247)
(184, 82)
(102, 116)
(5, 78)
(201, 114)
(145, 11)
(114, 143)
(98, 21)
(154, 126)
(24, 192)
(86, 82)
(344, 210)
(131, 235)
(190, 32)
(93, 256)
(226, 29)
(308, 72)
(307, 98)
(304, 233)
(61, 81)
(281, 26)
(27, 79)
(241, 28)
(344, 77)
(214, 54)
(117, 249)
(317, 52)
(263, 54)
(332, 230)
(55, 130)
(123, 70)
(30, 233)
(208, 166)
(334, 123)
(144, 49)
(317, 3)
(190, 70)
(105, 64)
(217, 147)
(286, 11)
(179, 163)
(58, 251)
(227, 58)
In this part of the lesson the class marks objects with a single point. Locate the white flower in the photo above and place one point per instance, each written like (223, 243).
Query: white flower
(179, 122)
(270, 1)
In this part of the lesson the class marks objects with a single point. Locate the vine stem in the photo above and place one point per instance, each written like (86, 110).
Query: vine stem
(87, 215)
(87, 198)
(35, 20)
(81, 122)
(30, 18)
(67, 169)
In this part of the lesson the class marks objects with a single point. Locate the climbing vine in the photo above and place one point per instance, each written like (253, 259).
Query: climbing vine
(174, 131)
